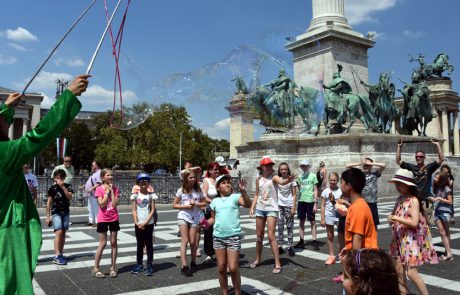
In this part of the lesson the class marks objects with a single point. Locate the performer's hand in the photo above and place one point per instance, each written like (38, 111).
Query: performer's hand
(400, 142)
(79, 84)
(13, 99)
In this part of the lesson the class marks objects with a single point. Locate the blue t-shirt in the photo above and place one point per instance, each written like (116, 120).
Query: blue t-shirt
(227, 216)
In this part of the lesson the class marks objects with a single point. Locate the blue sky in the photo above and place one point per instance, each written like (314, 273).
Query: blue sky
(175, 40)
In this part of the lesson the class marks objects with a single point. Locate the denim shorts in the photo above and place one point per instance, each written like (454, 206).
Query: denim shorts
(60, 221)
(184, 222)
(232, 243)
(443, 216)
(269, 213)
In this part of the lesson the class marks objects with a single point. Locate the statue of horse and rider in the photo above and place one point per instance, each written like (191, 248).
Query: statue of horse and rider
(439, 65)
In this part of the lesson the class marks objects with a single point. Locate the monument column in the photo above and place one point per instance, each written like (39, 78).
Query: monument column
(11, 131)
(328, 10)
(25, 124)
(445, 132)
(456, 150)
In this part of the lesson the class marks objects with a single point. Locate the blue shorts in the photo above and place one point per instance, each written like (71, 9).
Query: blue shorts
(269, 213)
(60, 221)
(443, 216)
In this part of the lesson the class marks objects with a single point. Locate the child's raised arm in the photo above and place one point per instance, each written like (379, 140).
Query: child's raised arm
(244, 199)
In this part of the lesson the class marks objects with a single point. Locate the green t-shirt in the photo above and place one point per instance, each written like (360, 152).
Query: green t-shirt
(227, 222)
(306, 183)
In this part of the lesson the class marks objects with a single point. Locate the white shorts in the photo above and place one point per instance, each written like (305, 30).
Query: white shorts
(330, 220)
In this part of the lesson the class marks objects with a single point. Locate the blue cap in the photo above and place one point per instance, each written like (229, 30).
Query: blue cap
(143, 176)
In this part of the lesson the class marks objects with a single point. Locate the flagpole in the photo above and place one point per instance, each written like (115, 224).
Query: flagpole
(56, 47)
(90, 66)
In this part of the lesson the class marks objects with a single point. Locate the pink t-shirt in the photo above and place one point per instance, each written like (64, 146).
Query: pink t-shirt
(107, 214)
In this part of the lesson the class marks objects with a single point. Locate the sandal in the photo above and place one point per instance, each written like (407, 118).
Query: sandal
(447, 258)
(113, 273)
(253, 265)
(277, 270)
(97, 274)
(208, 260)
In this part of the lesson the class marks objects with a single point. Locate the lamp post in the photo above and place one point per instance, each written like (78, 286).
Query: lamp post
(180, 151)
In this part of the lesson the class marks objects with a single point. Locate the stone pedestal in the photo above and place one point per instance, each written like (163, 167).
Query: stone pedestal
(336, 151)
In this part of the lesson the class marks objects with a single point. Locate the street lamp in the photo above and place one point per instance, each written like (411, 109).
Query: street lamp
(180, 151)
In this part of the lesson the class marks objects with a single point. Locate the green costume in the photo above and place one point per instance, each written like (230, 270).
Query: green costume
(20, 229)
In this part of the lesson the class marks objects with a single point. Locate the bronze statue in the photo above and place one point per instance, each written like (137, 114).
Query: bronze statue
(426, 71)
(240, 85)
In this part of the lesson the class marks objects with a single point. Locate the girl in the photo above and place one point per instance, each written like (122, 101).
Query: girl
(189, 199)
(286, 205)
(445, 169)
(369, 272)
(225, 216)
(143, 209)
(209, 193)
(328, 213)
(442, 214)
(266, 205)
(411, 243)
(107, 197)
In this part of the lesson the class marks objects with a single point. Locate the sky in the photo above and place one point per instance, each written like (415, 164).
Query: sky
(186, 52)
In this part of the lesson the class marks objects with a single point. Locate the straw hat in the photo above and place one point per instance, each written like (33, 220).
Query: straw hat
(404, 176)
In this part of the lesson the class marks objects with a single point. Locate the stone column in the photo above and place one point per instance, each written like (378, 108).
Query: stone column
(25, 125)
(328, 11)
(11, 131)
(456, 150)
(445, 132)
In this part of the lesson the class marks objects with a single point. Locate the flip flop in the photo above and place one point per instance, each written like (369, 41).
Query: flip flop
(113, 273)
(447, 258)
(97, 274)
(277, 270)
(253, 265)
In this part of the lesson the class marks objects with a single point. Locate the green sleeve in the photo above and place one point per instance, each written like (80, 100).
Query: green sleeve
(24, 149)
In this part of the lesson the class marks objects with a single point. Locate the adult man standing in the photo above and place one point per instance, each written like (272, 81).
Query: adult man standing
(68, 168)
(20, 229)
(90, 187)
(422, 172)
(32, 182)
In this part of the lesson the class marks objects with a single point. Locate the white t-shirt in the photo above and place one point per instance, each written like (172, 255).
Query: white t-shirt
(143, 206)
(189, 215)
(212, 191)
(268, 194)
(32, 181)
(285, 197)
(330, 210)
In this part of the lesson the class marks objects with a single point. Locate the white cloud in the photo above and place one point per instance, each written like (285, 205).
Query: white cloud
(7, 60)
(19, 35)
(17, 46)
(70, 62)
(47, 80)
(47, 101)
(361, 11)
(220, 129)
(97, 97)
(408, 34)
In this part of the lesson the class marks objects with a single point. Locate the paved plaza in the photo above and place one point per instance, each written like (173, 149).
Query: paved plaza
(305, 273)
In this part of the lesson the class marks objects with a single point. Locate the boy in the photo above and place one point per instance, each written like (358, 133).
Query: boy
(59, 196)
(370, 188)
(360, 230)
(306, 207)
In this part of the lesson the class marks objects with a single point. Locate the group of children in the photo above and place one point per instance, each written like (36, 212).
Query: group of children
(274, 205)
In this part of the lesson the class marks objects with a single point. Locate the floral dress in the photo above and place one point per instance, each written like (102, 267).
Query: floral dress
(411, 246)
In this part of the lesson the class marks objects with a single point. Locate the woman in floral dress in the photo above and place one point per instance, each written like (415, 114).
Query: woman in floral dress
(411, 244)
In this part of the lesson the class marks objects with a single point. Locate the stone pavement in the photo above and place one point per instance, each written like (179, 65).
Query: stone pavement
(305, 273)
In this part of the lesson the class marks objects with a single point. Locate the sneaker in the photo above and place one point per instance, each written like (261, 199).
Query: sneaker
(330, 260)
(178, 255)
(186, 271)
(193, 267)
(281, 250)
(315, 245)
(299, 245)
(59, 260)
(291, 251)
(137, 269)
(149, 271)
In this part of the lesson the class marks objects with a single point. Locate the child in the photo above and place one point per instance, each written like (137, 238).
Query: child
(225, 216)
(370, 272)
(107, 196)
(59, 196)
(286, 205)
(411, 243)
(370, 189)
(266, 210)
(189, 199)
(360, 230)
(209, 192)
(143, 211)
(328, 213)
(443, 212)
(306, 208)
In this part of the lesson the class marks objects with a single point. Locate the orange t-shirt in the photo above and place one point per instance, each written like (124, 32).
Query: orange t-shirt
(359, 221)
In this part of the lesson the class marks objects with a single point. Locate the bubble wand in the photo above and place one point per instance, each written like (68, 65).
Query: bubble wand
(56, 47)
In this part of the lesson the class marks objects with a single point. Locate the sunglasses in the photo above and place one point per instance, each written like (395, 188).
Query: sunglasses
(419, 157)
(67, 161)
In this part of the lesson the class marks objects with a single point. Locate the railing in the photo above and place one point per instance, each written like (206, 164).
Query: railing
(165, 187)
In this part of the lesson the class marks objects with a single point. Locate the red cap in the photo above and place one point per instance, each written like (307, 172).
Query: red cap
(266, 161)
